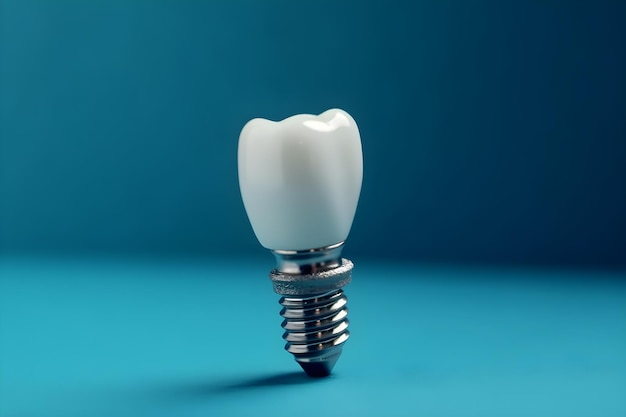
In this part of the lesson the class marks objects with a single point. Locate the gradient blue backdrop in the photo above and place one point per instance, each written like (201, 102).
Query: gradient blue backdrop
(492, 131)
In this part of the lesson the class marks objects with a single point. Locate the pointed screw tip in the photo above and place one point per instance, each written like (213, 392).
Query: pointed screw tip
(317, 369)
(320, 369)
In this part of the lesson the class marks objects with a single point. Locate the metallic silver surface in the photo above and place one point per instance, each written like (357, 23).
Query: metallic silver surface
(316, 327)
(314, 305)
(311, 261)
(314, 283)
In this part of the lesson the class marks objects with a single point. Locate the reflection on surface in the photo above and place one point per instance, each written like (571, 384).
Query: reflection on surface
(100, 338)
(201, 389)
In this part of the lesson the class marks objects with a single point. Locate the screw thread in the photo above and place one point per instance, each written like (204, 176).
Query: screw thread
(316, 326)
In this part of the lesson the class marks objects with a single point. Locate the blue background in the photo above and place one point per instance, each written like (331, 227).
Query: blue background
(489, 243)
(177, 339)
(492, 131)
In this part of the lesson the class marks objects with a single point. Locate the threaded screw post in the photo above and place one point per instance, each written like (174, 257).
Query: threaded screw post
(316, 327)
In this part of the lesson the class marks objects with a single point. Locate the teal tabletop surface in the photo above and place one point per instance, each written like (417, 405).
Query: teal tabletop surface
(202, 338)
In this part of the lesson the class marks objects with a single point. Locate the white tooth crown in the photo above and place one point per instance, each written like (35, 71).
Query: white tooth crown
(300, 179)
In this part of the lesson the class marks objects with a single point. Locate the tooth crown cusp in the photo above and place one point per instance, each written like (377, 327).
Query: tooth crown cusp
(300, 178)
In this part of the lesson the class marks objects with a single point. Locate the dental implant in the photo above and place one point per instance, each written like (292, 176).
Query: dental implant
(300, 180)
